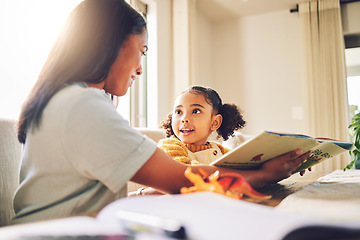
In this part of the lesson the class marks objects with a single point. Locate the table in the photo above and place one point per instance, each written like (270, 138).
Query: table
(333, 197)
(286, 187)
(212, 216)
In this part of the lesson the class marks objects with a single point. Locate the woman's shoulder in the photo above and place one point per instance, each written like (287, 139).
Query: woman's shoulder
(80, 90)
(75, 103)
(78, 94)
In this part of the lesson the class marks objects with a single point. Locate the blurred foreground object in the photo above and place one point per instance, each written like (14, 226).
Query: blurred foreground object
(355, 135)
(229, 184)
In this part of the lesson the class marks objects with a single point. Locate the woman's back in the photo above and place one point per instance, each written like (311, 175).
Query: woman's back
(77, 161)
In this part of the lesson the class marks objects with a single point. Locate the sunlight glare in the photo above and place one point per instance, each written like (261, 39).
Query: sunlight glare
(353, 90)
(28, 29)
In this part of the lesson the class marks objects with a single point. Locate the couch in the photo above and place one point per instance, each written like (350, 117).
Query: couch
(10, 155)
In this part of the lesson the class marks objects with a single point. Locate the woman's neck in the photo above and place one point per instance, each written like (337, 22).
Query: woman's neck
(97, 85)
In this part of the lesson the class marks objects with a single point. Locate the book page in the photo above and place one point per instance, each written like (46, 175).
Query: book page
(321, 152)
(207, 216)
(204, 215)
(71, 226)
(267, 145)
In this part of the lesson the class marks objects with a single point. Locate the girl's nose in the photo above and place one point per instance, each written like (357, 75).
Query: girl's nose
(184, 121)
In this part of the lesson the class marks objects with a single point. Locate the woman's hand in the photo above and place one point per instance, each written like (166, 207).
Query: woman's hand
(167, 175)
(283, 166)
(303, 171)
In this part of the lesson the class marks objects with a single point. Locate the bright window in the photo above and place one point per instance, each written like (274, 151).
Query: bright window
(353, 94)
(133, 106)
(28, 29)
(352, 56)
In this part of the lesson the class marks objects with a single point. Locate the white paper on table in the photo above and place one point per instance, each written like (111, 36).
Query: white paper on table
(207, 216)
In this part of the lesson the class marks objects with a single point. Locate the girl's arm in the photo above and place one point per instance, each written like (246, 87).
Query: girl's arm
(163, 173)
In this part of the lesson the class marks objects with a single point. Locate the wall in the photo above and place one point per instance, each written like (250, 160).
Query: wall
(256, 63)
(351, 26)
(204, 49)
(230, 55)
(351, 18)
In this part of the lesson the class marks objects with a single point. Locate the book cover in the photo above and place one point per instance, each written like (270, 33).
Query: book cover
(267, 145)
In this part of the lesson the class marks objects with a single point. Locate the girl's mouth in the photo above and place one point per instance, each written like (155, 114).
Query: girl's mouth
(186, 131)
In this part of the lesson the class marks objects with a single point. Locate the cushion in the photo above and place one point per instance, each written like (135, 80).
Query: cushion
(10, 154)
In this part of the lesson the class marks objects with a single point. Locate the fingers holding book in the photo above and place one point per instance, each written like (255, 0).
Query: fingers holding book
(283, 166)
(302, 159)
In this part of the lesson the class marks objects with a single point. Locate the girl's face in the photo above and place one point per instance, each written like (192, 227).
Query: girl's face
(193, 119)
(127, 65)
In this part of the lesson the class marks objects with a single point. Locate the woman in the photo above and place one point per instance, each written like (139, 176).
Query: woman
(78, 152)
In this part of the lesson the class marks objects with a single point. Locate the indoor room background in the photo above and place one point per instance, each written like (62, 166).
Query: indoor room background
(253, 57)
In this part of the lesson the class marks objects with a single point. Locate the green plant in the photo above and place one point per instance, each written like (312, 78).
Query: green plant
(355, 134)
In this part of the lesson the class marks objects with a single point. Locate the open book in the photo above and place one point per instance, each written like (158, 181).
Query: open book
(267, 145)
(203, 216)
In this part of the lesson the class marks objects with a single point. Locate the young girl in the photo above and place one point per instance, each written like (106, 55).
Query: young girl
(198, 112)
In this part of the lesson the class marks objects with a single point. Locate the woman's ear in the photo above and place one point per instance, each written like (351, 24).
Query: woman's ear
(216, 122)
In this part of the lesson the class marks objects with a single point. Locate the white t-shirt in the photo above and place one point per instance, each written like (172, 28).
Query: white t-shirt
(79, 159)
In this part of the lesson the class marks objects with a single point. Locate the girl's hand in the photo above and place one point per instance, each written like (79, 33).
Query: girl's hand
(145, 191)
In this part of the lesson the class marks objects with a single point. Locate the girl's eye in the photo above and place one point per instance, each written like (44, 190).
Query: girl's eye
(177, 111)
(196, 111)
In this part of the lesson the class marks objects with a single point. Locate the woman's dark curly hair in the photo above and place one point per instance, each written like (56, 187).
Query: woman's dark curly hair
(232, 118)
